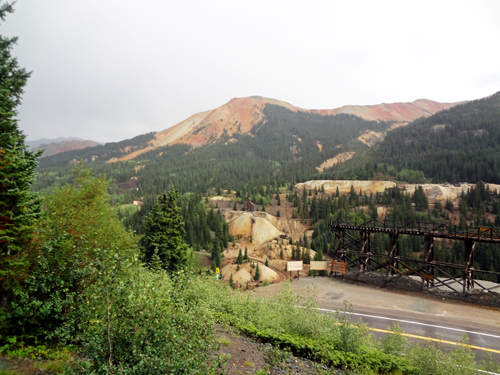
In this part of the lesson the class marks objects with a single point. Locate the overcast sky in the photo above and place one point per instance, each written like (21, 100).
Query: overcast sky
(107, 70)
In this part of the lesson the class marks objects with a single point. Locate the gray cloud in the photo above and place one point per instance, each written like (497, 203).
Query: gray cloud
(109, 70)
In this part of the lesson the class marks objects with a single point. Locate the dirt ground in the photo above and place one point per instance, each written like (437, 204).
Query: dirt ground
(249, 356)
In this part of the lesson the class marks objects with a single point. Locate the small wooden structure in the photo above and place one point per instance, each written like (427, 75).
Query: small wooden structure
(249, 205)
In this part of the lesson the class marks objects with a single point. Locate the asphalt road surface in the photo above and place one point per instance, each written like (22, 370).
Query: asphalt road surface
(480, 341)
(422, 317)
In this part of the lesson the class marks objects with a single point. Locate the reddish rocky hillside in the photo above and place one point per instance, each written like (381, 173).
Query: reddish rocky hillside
(239, 115)
(399, 112)
(58, 147)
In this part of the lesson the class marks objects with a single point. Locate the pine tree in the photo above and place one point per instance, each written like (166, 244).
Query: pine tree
(239, 260)
(231, 282)
(267, 263)
(164, 229)
(306, 258)
(19, 208)
(216, 252)
(257, 273)
(281, 254)
(246, 254)
(156, 263)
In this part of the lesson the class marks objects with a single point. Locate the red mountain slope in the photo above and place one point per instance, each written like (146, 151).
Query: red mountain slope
(239, 115)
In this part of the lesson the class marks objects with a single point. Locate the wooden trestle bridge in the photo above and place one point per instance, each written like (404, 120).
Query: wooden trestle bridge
(353, 246)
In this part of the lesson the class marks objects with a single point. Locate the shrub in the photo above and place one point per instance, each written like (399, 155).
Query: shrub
(79, 242)
(146, 324)
(394, 343)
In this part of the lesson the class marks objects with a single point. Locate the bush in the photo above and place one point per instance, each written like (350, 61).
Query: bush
(79, 242)
(147, 324)
(395, 343)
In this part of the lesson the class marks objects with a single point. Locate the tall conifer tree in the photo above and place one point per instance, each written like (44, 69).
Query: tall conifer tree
(164, 229)
(18, 207)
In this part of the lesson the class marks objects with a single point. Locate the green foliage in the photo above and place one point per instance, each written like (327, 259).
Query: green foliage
(156, 265)
(164, 230)
(257, 273)
(394, 343)
(306, 256)
(147, 324)
(275, 357)
(127, 210)
(411, 177)
(79, 241)
(19, 208)
(455, 144)
(350, 336)
(449, 206)
(433, 358)
(331, 339)
(420, 200)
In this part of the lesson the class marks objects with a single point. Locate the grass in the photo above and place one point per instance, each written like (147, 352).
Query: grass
(224, 341)
(248, 364)
(53, 366)
(308, 333)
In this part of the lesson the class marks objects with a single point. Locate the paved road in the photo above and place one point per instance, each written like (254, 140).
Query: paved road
(480, 341)
(421, 317)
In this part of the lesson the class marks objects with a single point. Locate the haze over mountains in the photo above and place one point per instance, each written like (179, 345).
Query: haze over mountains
(59, 145)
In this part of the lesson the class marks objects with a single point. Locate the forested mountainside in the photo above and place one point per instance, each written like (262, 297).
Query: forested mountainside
(100, 152)
(285, 146)
(461, 143)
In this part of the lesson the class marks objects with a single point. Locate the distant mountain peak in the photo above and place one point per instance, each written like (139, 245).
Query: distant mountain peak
(60, 145)
(239, 115)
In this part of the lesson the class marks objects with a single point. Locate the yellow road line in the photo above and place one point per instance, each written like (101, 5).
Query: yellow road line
(436, 340)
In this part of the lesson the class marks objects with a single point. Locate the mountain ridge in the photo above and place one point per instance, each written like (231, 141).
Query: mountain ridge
(240, 115)
(54, 148)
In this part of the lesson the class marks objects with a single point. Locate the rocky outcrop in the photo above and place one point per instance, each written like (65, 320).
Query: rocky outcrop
(338, 159)
(261, 226)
